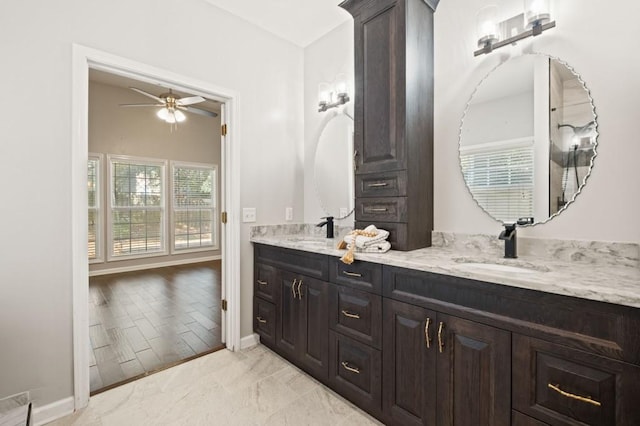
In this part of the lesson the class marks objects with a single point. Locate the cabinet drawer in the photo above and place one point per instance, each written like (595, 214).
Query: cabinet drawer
(264, 321)
(357, 314)
(359, 275)
(562, 386)
(519, 419)
(382, 209)
(306, 263)
(389, 184)
(355, 372)
(265, 283)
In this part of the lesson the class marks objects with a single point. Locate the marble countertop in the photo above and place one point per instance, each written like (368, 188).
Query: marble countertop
(616, 280)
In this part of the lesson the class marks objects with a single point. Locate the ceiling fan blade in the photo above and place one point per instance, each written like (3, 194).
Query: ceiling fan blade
(190, 100)
(141, 105)
(142, 92)
(198, 111)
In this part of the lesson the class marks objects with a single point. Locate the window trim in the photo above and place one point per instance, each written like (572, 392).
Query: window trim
(163, 206)
(98, 208)
(216, 214)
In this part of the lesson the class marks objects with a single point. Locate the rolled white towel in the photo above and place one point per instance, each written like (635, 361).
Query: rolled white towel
(380, 247)
(362, 241)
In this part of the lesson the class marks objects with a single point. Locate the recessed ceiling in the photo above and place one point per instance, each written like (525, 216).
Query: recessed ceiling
(298, 21)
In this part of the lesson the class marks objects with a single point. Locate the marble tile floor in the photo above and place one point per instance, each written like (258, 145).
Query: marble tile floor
(251, 387)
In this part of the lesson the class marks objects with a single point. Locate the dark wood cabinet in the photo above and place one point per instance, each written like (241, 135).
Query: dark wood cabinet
(394, 117)
(418, 348)
(440, 369)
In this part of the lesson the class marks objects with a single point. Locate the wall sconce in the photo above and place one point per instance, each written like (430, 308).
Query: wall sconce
(327, 92)
(535, 19)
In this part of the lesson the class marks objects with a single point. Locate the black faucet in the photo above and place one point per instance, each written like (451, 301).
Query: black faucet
(329, 222)
(510, 242)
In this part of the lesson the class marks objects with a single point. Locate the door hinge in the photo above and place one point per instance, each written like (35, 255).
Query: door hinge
(223, 217)
(224, 130)
(224, 304)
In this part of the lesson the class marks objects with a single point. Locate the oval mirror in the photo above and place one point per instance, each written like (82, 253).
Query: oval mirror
(333, 165)
(528, 139)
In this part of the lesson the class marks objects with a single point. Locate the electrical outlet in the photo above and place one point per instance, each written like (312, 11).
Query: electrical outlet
(288, 213)
(249, 214)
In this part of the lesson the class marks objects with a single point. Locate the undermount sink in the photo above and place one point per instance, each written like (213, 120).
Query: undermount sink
(499, 268)
(309, 241)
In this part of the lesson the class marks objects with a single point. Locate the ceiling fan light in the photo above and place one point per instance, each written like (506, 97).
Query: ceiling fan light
(171, 118)
(163, 114)
(179, 116)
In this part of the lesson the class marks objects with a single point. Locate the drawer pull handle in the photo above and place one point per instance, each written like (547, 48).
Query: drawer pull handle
(350, 315)
(440, 341)
(426, 332)
(378, 184)
(262, 282)
(299, 292)
(572, 396)
(352, 274)
(293, 287)
(261, 321)
(378, 209)
(349, 368)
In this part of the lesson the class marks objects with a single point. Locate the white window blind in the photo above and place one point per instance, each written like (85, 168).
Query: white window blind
(194, 206)
(137, 213)
(93, 195)
(500, 177)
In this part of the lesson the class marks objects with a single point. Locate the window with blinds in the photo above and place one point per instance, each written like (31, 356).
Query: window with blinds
(93, 196)
(194, 206)
(500, 177)
(137, 211)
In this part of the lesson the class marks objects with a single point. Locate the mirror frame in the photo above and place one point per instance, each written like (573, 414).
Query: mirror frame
(595, 145)
(323, 124)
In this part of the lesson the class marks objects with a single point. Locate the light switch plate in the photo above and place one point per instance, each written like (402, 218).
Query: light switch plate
(249, 214)
(288, 213)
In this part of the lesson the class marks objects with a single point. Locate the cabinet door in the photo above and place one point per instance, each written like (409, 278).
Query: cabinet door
(313, 300)
(474, 373)
(379, 70)
(408, 364)
(288, 321)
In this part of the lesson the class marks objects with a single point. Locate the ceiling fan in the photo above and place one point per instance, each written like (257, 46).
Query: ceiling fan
(172, 106)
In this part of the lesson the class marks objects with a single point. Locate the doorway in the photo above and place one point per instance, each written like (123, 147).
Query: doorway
(84, 59)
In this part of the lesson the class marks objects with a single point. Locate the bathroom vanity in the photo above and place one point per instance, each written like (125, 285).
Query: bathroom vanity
(430, 337)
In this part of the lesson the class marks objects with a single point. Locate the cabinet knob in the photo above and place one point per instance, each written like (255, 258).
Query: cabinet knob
(440, 341)
(586, 399)
(349, 368)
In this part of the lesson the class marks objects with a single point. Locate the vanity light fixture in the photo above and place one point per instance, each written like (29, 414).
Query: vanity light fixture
(535, 19)
(327, 92)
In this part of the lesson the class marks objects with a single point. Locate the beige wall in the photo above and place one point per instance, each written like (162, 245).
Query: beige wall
(138, 132)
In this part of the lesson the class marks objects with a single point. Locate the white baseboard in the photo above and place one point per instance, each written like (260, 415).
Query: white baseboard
(55, 410)
(153, 265)
(248, 341)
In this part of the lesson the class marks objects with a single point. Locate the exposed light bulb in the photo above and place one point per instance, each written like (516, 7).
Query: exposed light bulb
(324, 92)
(171, 117)
(341, 84)
(487, 26)
(536, 12)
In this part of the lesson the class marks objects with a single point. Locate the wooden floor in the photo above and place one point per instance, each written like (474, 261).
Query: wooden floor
(147, 320)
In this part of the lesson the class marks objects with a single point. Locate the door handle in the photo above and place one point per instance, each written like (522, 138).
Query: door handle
(350, 315)
(349, 368)
(586, 399)
(261, 321)
(352, 274)
(426, 332)
(262, 282)
(377, 184)
(440, 341)
(293, 287)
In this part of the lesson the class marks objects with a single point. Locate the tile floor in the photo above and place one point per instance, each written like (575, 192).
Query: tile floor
(145, 320)
(250, 387)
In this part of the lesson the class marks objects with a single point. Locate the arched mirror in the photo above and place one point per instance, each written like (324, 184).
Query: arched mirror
(528, 139)
(333, 165)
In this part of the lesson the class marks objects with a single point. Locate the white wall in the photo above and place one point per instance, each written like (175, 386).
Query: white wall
(323, 61)
(188, 37)
(138, 132)
(607, 209)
